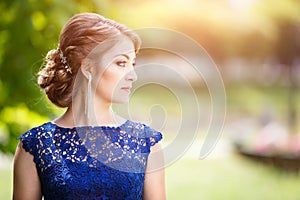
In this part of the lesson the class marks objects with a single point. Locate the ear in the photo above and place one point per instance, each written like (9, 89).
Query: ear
(86, 68)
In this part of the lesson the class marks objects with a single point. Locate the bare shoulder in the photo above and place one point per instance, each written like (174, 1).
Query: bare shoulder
(21, 154)
(26, 180)
(154, 184)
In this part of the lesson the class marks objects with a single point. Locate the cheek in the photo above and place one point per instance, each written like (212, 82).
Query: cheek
(110, 78)
(108, 83)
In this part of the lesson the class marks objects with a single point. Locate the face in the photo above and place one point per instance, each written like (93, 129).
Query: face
(115, 73)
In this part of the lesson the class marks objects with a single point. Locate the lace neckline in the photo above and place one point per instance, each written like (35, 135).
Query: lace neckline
(100, 126)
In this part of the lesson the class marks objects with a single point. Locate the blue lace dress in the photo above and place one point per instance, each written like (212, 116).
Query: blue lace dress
(88, 162)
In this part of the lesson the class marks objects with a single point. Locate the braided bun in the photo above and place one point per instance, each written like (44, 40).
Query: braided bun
(55, 80)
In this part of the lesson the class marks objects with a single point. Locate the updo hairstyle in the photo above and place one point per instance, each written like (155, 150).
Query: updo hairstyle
(81, 34)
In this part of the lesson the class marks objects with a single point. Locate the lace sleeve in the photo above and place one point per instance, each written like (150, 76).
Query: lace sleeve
(29, 143)
(34, 140)
(152, 136)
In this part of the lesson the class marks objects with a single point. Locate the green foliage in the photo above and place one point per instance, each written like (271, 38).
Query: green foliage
(14, 121)
(28, 30)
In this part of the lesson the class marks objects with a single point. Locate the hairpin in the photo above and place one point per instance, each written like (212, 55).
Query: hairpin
(63, 60)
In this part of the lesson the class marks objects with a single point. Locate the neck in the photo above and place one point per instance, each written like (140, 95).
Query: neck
(88, 112)
(105, 114)
(102, 115)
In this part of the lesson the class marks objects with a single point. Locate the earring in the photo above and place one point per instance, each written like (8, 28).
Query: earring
(88, 98)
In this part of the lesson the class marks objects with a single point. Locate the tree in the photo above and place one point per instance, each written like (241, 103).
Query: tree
(28, 29)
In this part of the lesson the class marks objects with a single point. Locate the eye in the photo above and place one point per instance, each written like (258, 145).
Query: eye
(121, 63)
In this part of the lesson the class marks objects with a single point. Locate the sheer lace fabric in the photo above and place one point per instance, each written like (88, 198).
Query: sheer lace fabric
(91, 162)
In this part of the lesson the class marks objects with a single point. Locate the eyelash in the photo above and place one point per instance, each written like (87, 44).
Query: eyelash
(123, 63)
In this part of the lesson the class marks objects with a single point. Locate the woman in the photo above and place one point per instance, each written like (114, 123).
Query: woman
(89, 152)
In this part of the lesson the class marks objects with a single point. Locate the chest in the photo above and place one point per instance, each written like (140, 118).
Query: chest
(79, 181)
(72, 169)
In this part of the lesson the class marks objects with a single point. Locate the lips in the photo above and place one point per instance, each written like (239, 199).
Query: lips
(126, 89)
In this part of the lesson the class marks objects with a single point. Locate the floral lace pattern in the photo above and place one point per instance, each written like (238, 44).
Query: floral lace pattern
(91, 162)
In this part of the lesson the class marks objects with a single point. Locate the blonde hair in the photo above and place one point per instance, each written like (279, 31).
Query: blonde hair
(81, 34)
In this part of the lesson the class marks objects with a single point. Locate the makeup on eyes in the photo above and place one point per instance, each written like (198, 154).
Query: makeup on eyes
(122, 62)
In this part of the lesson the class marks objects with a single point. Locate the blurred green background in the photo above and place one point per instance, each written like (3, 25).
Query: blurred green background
(254, 43)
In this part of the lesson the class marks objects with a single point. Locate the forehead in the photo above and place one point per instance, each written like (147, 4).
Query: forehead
(106, 52)
(112, 47)
(123, 46)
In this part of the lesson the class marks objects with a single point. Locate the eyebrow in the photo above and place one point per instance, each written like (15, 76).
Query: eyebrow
(125, 55)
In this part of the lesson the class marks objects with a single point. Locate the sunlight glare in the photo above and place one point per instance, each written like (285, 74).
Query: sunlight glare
(241, 4)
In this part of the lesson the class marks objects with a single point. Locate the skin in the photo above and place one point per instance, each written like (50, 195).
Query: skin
(154, 184)
(26, 181)
(112, 86)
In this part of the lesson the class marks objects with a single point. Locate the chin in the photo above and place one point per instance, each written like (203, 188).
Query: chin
(121, 101)
(120, 98)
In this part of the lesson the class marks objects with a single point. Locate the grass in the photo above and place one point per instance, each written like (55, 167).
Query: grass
(226, 178)
(5, 184)
(232, 178)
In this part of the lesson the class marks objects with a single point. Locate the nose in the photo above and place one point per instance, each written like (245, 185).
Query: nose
(131, 75)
